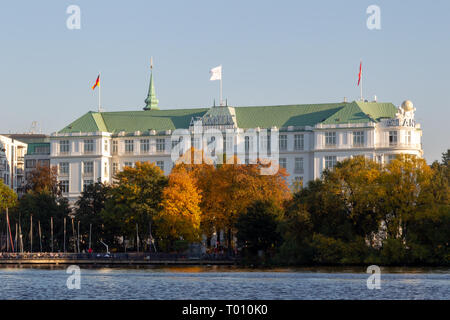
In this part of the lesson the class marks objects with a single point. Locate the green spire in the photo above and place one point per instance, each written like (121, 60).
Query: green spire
(151, 103)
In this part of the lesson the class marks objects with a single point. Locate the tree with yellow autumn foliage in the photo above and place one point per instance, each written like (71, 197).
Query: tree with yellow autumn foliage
(180, 214)
(228, 189)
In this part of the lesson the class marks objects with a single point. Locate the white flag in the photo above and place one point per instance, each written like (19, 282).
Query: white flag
(216, 73)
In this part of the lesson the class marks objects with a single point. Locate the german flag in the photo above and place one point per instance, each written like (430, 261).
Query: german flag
(97, 82)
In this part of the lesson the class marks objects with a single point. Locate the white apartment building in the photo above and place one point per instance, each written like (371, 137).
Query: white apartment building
(12, 154)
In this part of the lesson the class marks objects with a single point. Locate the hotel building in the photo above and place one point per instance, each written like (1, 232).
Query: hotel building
(312, 137)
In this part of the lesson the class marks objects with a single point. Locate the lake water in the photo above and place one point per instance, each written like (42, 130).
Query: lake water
(206, 282)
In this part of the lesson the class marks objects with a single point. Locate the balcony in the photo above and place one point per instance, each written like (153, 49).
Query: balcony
(398, 145)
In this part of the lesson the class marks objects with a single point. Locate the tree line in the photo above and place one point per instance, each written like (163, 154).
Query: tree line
(359, 212)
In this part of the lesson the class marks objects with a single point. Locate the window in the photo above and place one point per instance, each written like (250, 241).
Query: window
(330, 162)
(299, 142)
(129, 146)
(160, 145)
(145, 145)
(64, 146)
(408, 137)
(298, 165)
(115, 168)
(43, 163)
(128, 164)
(265, 144)
(391, 157)
(358, 138)
(283, 163)
(229, 143)
(88, 146)
(30, 163)
(105, 169)
(195, 143)
(330, 139)
(106, 145)
(42, 150)
(64, 168)
(160, 164)
(115, 147)
(87, 183)
(283, 142)
(64, 186)
(248, 144)
(88, 167)
(392, 138)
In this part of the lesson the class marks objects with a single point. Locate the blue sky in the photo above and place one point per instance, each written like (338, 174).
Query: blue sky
(272, 52)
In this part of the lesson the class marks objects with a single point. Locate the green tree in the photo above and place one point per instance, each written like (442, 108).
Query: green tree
(257, 227)
(356, 182)
(88, 211)
(135, 199)
(296, 229)
(44, 206)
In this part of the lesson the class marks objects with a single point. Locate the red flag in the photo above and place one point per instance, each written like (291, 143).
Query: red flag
(360, 72)
(97, 82)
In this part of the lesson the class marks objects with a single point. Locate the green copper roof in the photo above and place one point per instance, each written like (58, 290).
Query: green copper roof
(358, 111)
(284, 116)
(151, 103)
(90, 122)
(247, 117)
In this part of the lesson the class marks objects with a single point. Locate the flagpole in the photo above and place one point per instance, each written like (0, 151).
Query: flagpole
(361, 87)
(99, 94)
(221, 91)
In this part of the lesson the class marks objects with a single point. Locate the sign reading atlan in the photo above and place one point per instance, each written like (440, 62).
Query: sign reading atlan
(401, 123)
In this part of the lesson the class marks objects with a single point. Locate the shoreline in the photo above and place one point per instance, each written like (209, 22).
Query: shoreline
(112, 262)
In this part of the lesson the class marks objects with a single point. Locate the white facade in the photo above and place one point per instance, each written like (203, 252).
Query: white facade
(84, 158)
(12, 154)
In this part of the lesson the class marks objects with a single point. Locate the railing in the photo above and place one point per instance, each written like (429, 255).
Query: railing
(399, 145)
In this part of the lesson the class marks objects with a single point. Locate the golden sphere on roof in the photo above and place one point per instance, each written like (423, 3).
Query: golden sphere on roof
(407, 105)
